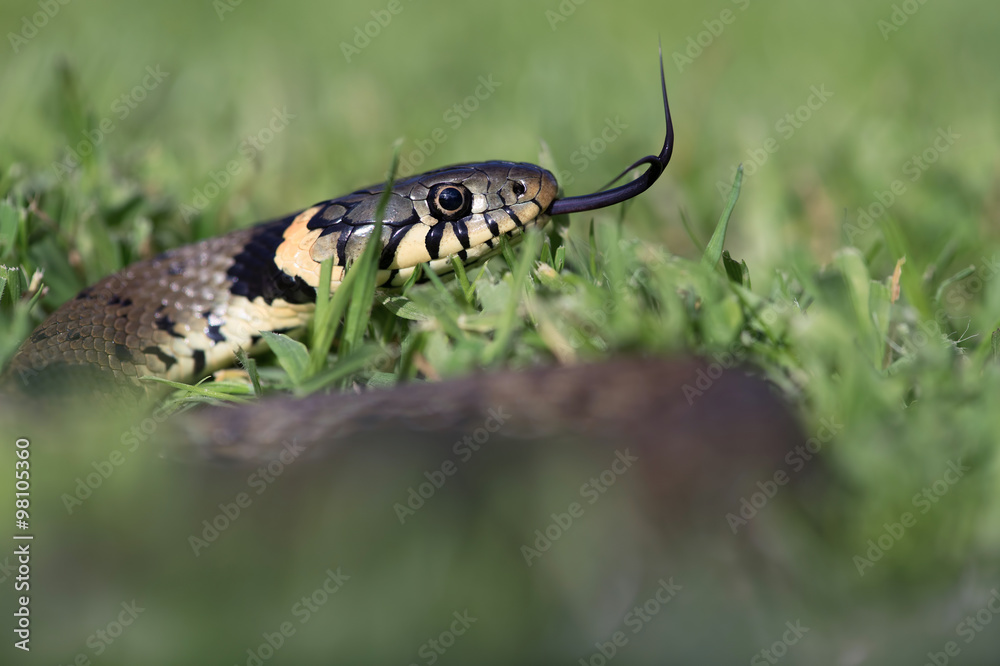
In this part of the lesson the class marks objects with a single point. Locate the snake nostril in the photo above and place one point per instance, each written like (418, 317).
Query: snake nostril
(518, 188)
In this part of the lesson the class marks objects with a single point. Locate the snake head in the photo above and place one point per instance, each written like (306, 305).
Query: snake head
(456, 211)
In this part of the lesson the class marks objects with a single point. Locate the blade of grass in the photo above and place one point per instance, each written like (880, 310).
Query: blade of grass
(519, 278)
(198, 390)
(713, 251)
(507, 251)
(363, 292)
(292, 355)
(330, 310)
(686, 223)
(347, 364)
(592, 256)
(912, 280)
(10, 224)
(412, 280)
(446, 314)
(733, 269)
(463, 280)
(947, 282)
(250, 365)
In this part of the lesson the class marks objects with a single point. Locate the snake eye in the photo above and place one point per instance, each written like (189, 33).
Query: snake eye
(518, 188)
(449, 201)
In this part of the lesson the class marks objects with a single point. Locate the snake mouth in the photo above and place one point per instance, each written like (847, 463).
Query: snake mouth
(609, 197)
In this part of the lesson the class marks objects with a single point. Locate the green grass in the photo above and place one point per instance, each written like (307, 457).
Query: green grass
(788, 279)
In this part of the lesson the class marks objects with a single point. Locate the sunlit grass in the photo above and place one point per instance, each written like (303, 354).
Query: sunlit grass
(883, 336)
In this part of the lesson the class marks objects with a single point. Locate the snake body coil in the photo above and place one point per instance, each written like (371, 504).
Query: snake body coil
(184, 313)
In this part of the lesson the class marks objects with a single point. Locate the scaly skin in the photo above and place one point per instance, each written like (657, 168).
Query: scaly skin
(184, 313)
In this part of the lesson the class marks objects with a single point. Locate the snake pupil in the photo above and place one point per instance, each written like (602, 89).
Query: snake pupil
(450, 199)
(518, 188)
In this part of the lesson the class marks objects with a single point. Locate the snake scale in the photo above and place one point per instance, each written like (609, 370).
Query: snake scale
(185, 313)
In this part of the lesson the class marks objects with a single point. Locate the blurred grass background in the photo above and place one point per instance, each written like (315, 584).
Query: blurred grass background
(909, 405)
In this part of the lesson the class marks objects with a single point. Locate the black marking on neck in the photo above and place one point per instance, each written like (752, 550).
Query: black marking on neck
(342, 239)
(389, 251)
(199, 361)
(254, 272)
(163, 322)
(433, 240)
(492, 225)
(214, 334)
(213, 324)
(165, 358)
(462, 231)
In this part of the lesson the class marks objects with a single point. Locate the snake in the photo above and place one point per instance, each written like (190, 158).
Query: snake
(186, 312)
